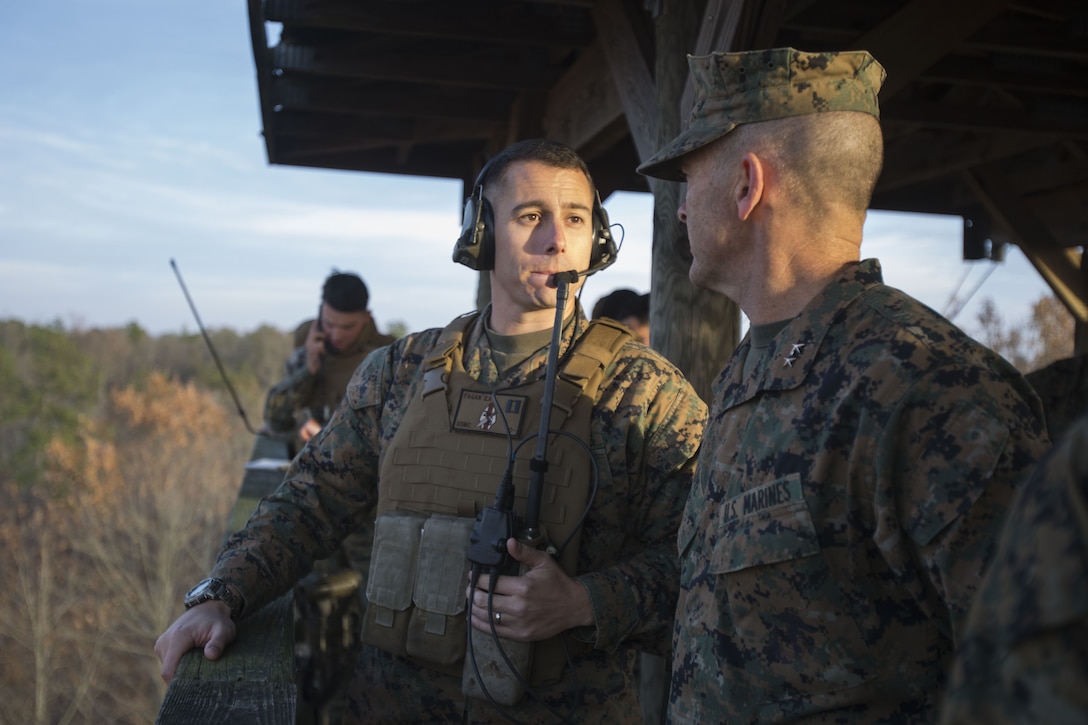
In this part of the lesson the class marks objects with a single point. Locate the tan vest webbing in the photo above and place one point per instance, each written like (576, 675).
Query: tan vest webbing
(430, 467)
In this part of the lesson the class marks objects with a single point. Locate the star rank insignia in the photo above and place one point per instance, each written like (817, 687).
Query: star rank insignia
(795, 351)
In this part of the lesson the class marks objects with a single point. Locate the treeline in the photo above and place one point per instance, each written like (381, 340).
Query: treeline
(120, 457)
(1046, 338)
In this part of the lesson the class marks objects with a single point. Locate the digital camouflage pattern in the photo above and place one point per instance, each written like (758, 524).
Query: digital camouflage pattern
(1063, 387)
(645, 434)
(848, 496)
(763, 85)
(302, 395)
(1024, 657)
(316, 396)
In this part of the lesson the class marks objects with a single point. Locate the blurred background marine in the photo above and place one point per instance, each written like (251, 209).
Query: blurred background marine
(628, 308)
(318, 370)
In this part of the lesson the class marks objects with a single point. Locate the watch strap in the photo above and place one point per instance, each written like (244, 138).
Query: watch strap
(215, 589)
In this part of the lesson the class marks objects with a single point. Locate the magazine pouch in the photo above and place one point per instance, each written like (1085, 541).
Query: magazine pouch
(436, 628)
(391, 579)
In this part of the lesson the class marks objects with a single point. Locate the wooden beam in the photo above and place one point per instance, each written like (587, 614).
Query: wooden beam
(716, 33)
(372, 99)
(1059, 266)
(460, 21)
(262, 59)
(923, 160)
(769, 18)
(1080, 327)
(942, 24)
(386, 160)
(1018, 35)
(353, 63)
(1053, 79)
(696, 329)
(526, 117)
(1068, 120)
(584, 102)
(634, 83)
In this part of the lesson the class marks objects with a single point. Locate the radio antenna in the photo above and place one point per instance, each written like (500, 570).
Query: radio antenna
(211, 348)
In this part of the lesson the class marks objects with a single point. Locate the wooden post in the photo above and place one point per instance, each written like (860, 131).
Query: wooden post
(696, 329)
(1080, 327)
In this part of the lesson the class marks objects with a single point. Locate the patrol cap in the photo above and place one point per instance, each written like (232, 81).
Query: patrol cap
(762, 85)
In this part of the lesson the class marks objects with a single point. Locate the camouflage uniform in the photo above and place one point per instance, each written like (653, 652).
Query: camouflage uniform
(1024, 657)
(1063, 387)
(848, 496)
(301, 395)
(316, 396)
(645, 431)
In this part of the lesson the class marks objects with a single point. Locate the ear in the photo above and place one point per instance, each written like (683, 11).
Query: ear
(750, 185)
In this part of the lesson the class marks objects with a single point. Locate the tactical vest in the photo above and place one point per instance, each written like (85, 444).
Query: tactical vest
(444, 465)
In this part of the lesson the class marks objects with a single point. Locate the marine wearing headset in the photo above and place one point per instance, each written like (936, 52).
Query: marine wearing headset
(430, 425)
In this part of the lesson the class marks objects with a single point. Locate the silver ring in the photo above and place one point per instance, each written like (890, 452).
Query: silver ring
(498, 616)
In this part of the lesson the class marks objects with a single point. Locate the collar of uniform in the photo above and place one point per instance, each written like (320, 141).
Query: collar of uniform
(791, 354)
(480, 363)
(363, 342)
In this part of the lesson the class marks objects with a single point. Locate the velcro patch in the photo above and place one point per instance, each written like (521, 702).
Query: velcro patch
(484, 412)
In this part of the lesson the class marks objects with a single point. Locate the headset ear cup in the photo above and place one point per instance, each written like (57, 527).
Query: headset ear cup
(471, 248)
(485, 234)
(604, 249)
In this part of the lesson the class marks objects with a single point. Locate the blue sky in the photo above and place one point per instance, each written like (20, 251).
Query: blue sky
(130, 135)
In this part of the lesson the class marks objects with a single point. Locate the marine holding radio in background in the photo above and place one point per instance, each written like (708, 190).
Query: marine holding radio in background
(318, 370)
(429, 426)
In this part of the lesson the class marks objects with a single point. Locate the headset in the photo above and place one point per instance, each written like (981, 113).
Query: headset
(475, 248)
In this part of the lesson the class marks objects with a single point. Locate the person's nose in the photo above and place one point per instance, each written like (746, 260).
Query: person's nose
(682, 213)
(555, 237)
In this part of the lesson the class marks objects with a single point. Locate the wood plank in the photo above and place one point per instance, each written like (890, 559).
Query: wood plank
(584, 102)
(366, 99)
(915, 163)
(716, 33)
(633, 80)
(943, 24)
(253, 682)
(353, 63)
(1060, 267)
(438, 20)
(694, 328)
(1041, 120)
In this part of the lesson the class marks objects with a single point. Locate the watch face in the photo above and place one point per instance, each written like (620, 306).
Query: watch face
(213, 589)
(199, 589)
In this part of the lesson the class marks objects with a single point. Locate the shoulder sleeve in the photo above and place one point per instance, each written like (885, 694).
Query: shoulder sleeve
(958, 450)
(1023, 657)
(290, 395)
(650, 422)
(329, 488)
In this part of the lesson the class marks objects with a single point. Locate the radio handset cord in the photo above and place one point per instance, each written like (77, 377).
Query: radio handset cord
(498, 669)
(497, 523)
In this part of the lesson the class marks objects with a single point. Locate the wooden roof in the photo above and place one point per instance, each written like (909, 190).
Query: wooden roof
(985, 109)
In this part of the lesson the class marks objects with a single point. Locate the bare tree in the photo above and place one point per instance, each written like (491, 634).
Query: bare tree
(1046, 336)
(102, 570)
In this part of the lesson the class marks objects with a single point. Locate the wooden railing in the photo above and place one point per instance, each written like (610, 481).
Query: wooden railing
(254, 681)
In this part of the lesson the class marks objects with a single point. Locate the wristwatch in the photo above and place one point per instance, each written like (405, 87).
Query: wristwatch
(210, 589)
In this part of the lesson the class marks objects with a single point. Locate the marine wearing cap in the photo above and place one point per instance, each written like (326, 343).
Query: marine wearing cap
(844, 500)
(762, 85)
